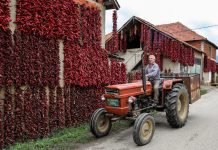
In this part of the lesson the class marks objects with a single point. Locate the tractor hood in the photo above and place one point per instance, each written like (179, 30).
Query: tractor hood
(129, 89)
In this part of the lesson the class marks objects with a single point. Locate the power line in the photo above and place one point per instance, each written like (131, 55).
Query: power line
(216, 25)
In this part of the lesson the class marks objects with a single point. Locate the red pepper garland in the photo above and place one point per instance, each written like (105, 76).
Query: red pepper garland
(84, 105)
(19, 115)
(67, 98)
(115, 35)
(8, 117)
(217, 68)
(209, 65)
(37, 60)
(52, 110)
(60, 107)
(59, 23)
(213, 69)
(31, 127)
(43, 126)
(86, 63)
(134, 75)
(1, 128)
(123, 73)
(115, 72)
(4, 14)
(6, 64)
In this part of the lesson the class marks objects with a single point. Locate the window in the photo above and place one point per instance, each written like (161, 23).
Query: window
(183, 68)
(198, 61)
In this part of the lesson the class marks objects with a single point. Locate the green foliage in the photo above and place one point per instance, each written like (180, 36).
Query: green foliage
(67, 138)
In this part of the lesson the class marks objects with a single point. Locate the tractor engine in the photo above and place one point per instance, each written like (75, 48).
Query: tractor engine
(119, 97)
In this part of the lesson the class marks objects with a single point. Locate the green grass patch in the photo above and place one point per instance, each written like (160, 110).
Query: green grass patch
(203, 91)
(68, 138)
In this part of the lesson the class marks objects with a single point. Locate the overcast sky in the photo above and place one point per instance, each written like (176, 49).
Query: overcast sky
(192, 13)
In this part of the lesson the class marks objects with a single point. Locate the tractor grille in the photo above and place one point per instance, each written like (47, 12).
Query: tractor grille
(112, 91)
(113, 102)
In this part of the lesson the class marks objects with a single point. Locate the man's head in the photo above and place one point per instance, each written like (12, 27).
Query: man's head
(151, 59)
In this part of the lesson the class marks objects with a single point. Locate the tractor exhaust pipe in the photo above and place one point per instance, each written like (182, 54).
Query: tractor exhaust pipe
(143, 73)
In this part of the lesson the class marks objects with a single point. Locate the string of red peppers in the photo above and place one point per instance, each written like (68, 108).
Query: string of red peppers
(8, 118)
(67, 100)
(19, 115)
(209, 65)
(43, 125)
(4, 14)
(84, 104)
(1, 127)
(115, 35)
(37, 60)
(52, 110)
(58, 24)
(6, 56)
(60, 107)
(217, 68)
(86, 63)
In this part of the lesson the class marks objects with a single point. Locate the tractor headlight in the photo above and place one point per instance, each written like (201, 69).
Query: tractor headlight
(102, 98)
(131, 99)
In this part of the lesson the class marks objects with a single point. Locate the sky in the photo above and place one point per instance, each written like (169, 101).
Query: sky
(192, 13)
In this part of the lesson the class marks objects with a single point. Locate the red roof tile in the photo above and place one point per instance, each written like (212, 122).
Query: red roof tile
(108, 36)
(180, 31)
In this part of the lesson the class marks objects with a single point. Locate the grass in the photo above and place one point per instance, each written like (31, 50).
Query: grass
(68, 138)
(203, 91)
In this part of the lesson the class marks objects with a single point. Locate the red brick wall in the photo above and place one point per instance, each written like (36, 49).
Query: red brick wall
(197, 44)
(207, 51)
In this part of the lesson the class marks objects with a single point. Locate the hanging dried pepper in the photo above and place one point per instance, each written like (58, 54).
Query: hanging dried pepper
(115, 35)
(60, 107)
(123, 73)
(19, 115)
(67, 98)
(37, 60)
(4, 14)
(1, 126)
(43, 122)
(86, 63)
(8, 117)
(52, 110)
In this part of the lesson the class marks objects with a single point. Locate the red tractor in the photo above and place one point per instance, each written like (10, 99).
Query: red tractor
(134, 101)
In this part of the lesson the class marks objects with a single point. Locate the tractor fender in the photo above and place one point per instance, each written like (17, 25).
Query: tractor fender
(168, 84)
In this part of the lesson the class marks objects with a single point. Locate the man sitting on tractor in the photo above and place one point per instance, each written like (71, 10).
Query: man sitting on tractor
(152, 72)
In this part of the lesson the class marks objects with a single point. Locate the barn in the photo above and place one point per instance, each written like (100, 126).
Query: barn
(137, 36)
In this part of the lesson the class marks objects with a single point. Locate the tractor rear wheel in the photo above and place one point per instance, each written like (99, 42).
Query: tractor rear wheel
(143, 130)
(177, 106)
(100, 124)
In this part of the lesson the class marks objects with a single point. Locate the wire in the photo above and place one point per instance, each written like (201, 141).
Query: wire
(216, 25)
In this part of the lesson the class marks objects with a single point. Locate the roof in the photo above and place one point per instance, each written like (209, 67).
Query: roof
(108, 36)
(182, 32)
(111, 4)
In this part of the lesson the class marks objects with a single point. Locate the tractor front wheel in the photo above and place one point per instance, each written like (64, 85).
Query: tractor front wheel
(177, 106)
(100, 124)
(143, 130)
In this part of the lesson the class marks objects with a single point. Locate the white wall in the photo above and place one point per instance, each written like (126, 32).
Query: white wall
(207, 77)
(174, 67)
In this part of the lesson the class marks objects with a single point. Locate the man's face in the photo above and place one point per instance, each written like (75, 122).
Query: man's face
(151, 59)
